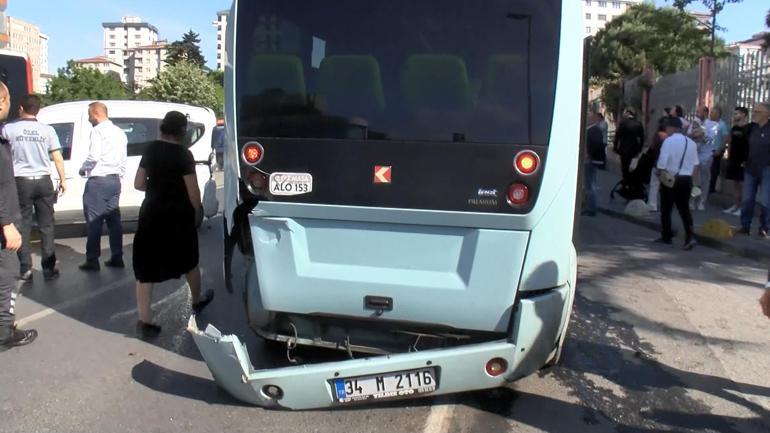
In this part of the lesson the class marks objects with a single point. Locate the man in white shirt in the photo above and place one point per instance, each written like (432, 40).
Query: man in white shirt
(34, 145)
(679, 156)
(104, 167)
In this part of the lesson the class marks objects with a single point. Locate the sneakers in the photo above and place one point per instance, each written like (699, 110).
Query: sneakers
(50, 274)
(26, 276)
(731, 210)
(147, 330)
(90, 266)
(203, 302)
(701, 207)
(17, 338)
(689, 245)
(737, 212)
(762, 233)
(115, 262)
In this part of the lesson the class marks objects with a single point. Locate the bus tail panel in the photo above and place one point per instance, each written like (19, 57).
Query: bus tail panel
(452, 277)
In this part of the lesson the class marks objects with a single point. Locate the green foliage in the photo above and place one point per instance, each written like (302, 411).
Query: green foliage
(664, 38)
(767, 33)
(76, 83)
(714, 6)
(187, 50)
(611, 97)
(184, 83)
(218, 77)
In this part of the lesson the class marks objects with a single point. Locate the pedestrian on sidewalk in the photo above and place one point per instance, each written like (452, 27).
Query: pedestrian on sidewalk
(10, 241)
(166, 241)
(605, 129)
(34, 145)
(656, 142)
(679, 113)
(678, 161)
(104, 167)
(628, 143)
(719, 133)
(757, 172)
(699, 133)
(737, 152)
(596, 158)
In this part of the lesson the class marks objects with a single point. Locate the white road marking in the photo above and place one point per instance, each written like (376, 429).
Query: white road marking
(440, 418)
(171, 296)
(74, 301)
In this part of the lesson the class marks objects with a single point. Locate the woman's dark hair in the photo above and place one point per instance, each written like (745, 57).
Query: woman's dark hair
(174, 124)
(679, 111)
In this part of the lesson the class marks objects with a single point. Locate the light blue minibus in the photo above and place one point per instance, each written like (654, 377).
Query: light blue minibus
(401, 177)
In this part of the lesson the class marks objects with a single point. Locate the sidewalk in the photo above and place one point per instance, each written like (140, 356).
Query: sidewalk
(751, 246)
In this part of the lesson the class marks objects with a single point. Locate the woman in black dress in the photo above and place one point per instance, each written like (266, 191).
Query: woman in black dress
(166, 240)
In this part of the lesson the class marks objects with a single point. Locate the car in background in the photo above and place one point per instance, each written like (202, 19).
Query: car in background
(140, 120)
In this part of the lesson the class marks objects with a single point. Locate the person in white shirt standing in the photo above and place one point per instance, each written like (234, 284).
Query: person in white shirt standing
(104, 167)
(679, 157)
(34, 145)
(702, 132)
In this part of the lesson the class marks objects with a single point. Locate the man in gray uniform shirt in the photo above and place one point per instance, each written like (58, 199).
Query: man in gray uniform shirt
(34, 145)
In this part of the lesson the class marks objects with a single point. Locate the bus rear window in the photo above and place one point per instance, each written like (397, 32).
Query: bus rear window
(397, 70)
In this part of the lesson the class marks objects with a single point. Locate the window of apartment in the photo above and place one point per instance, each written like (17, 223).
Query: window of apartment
(616, 5)
(588, 2)
(219, 46)
(112, 51)
(588, 16)
(112, 44)
(219, 37)
(588, 29)
(602, 17)
(219, 28)
(219, 55)
(112, 36)
(602, 4)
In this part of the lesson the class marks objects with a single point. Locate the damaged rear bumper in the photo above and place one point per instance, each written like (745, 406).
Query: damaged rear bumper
(458, 369)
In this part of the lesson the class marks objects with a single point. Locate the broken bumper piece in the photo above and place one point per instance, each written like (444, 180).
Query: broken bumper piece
(311, 386)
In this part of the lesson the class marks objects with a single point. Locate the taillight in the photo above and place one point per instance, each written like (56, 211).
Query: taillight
(526, 162)
(497, 366)
(252, 153)
(518, 194)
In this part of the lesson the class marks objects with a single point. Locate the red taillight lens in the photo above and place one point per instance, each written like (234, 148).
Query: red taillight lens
(252, 153)
(518, 194)
(527, 162)
(497, 366)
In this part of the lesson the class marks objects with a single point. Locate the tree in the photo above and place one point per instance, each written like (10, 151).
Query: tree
(714, 8)
(665, 39)
(183, 83)
(77, 83)
(186, 50)
(767, 33)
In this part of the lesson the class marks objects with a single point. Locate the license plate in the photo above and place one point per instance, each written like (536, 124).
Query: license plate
(385, 386)
(291, 183)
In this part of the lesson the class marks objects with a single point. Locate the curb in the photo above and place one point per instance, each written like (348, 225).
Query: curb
(755, 254)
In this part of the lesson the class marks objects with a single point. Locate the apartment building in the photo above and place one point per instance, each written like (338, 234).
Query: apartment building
(121, 38)
(26, 38)
(144, 63)
(221, 25)
(101, 64)
(600, 12)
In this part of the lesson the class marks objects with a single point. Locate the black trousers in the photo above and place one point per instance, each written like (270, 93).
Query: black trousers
(625, 165)
(9, 265)
(679, 195)
(38, 197)
(716, 168)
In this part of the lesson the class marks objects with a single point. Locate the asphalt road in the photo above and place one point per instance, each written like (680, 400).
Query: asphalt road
(660, 340)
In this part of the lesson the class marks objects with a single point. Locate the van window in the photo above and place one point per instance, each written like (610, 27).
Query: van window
(65, 131)
(141, 131)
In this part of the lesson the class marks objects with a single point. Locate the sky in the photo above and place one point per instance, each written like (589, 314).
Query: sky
(75, 26)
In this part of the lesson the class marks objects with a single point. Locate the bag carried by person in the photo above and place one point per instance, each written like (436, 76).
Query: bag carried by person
(667, 178)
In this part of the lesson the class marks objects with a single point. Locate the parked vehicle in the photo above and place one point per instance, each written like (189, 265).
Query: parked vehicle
(140, 120)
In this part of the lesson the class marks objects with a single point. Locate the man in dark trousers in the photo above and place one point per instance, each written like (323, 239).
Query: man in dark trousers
(629, 139)
(679, 157)
(10, 241)
(104, 167)
(595, 159)
(34, 145)
(756, 177)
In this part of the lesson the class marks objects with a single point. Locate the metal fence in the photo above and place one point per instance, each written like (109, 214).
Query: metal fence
(742, 81)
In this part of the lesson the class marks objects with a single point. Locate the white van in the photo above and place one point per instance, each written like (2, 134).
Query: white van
(140, 120)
